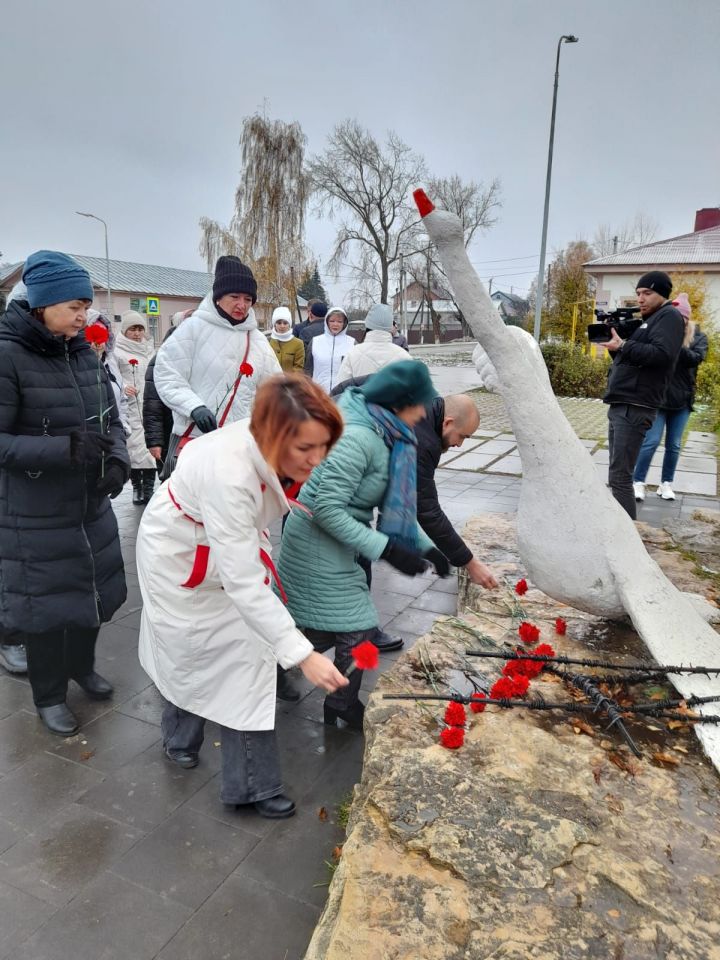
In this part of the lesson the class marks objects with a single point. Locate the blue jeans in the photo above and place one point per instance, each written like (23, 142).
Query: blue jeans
(675, 422)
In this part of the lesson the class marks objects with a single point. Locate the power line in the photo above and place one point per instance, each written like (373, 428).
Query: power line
(532, 256)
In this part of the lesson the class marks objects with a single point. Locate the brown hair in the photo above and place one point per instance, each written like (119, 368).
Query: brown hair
(281, 404)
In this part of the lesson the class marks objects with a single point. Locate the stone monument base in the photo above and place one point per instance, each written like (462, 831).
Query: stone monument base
(542, 836)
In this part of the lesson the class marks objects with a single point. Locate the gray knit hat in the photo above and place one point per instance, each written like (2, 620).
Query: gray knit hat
(379, 317)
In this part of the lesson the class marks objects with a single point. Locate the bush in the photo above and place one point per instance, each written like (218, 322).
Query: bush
(574, 373)
(708, 378)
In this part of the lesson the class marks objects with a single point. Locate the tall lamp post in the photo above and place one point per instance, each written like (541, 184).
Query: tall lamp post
(569, 38)
(110, 307)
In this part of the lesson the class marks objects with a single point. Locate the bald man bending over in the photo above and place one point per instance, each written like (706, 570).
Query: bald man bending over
(449, 421)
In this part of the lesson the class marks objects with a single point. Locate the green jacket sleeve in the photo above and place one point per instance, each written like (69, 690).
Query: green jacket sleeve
(299, 357)
(343, 473)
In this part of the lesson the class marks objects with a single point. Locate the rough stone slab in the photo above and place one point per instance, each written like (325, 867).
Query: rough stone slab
(530, 841)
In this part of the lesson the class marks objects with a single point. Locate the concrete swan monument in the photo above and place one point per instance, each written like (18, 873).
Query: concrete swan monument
(578, 545)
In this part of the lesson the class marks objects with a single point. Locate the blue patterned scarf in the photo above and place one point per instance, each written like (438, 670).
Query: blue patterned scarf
(398, 511)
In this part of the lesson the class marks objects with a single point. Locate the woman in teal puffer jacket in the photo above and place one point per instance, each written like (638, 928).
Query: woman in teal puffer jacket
(372, 465)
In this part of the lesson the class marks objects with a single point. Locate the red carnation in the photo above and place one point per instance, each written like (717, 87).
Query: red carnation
(508, 687)
(452, 737)
(455, 714)
(522, 668)
(543, 650)
(475, 705)
(365, 655)
(97, 334)
(133, 362)
(246, 369)
(521, 587)
(528, 632)
(561, 626)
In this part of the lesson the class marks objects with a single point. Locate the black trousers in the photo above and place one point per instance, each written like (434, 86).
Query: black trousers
(250, 763)
(627, 426)
(323, 640)
(56, 657)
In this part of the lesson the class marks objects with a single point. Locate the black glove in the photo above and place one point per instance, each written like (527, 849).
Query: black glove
(204, 419)
(409, 562)
(88, 448)
(113, 481)
(439, 561)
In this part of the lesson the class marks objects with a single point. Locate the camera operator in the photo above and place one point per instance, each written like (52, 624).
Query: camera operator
(642, 367)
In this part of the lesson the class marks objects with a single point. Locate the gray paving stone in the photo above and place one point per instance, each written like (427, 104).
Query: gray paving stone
(41, 787)
(109, 742)
(14, 695)
(110, 919)
(187, 857)
(245, 920)
(64, 854)
(22, 737)
(436, 601)
(21, 915)
(471, 461)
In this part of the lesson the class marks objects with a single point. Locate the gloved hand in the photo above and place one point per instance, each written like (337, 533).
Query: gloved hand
(204, 419)
(88, 448)
(409, 562)
(113, 481)
(439, 561)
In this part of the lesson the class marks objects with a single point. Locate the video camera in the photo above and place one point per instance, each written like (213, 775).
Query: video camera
(623, 320)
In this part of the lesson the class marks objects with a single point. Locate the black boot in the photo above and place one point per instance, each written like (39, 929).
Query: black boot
(353, 715)
(13, 657)
(148, 484)
(286, 689)
(136, 480)
(94, 686)
(275, 808)
(59, 719)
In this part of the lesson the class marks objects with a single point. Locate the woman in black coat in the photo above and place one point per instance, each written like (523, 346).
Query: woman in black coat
(62, 453)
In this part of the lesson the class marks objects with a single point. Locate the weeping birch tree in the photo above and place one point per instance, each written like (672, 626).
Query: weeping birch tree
(267, 225)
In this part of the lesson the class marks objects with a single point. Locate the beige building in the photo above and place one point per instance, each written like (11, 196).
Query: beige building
(134, 286)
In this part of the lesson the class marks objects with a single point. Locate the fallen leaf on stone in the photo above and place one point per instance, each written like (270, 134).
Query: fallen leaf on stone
(622, 763)
(86, 754)
(613, 913)
(606, 744)
(615, 804)
(322, 814)
(669, 853)
(665, 759)
(677, 725)
(658, 695)
(337, 852)
(680, 749)
(597, 773)
(656, 729)
(216, 743)
(581, 726)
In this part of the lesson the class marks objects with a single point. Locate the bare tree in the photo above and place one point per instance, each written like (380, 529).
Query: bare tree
(368, 187)
(608, 240)
(266, 228)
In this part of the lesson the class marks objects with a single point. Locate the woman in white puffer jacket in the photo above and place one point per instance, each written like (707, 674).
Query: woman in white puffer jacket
(328, 350)
(209, 370)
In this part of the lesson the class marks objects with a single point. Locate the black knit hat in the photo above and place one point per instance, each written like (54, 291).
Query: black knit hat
(233, 276)
(319, 309)
(656, 280)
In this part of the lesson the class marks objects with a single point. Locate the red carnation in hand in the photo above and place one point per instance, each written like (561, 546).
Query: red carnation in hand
(365, 655)
(561, 626)
(246, 369)
(452, 737)
(97, 334)
(133, 362)
(521, 587)
(455, 714)
(528, 632)
(475, 702)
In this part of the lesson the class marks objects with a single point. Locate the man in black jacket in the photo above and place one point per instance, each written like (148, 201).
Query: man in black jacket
(643, 366)
(450, 421)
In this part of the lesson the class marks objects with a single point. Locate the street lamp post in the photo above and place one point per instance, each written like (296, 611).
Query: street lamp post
(569, 38)
(110, 307)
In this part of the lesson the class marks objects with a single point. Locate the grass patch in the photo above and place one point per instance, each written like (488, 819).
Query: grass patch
(343, 810)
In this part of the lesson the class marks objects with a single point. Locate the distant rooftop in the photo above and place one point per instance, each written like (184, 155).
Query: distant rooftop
(701, 248)
(140, 277)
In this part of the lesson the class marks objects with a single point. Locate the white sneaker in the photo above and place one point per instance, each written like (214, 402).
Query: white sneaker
(639, 489)
(665, 491)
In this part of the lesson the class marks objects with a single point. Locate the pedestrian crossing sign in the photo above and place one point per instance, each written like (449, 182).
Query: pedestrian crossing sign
(153, 307)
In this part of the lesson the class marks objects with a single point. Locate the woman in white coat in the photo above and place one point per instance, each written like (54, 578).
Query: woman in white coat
(328, 350)
(377, 349)
(207, 373)
(133, 352)
(212, 629)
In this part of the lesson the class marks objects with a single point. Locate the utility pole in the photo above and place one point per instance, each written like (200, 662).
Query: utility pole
(490, 283)
(566, 38)
(615, 244)
(110, 307)
(403, 318)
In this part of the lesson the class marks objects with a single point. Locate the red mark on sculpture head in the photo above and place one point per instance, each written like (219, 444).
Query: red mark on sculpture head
(423, 202)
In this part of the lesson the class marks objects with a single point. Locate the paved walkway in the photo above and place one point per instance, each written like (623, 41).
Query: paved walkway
(108, 852)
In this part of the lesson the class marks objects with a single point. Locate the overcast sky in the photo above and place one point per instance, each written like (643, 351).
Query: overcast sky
(132, 111)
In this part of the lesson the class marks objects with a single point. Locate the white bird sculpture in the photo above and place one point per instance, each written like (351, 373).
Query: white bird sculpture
(577, 543)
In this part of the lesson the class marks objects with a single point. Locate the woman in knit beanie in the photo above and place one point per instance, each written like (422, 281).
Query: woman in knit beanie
(62, 454)
(134, 351)
(674, 414)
